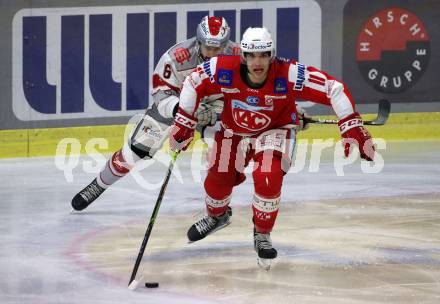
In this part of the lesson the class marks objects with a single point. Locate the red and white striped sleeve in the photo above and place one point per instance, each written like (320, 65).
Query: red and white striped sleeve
(317, 86)
(198, 84)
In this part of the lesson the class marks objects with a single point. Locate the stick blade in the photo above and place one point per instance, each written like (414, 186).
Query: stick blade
(383, 113)
(135, 283)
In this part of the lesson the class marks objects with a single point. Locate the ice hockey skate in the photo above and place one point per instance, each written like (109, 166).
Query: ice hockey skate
(208, 225)
(86, 196)
(263, 247)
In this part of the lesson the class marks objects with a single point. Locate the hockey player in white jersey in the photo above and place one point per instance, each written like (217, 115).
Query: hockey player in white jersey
(152, 130)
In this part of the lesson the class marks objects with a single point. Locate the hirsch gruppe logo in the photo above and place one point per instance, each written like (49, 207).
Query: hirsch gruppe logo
(393, 50)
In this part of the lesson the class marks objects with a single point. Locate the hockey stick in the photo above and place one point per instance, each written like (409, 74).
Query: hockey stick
(134, 283)
(382, 116)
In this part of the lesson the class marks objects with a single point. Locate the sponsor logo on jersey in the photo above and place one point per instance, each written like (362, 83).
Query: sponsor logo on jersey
(224, 77)
(248, 117)
(240, 104)
(207, 70)
(280, 86)
(294, 117)
(300, 77)
(393, 65)
(182, 54)
(267, 97)
(253, 100)
(230, 91)
(268, 100)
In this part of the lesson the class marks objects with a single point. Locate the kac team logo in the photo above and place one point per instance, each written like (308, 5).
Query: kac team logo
(393, 50)
(249, 117)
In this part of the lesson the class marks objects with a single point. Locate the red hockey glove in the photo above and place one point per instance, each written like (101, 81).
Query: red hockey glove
(353, 131)
(182, 131)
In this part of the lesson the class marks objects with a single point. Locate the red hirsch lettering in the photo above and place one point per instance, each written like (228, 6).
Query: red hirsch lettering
(182, 55)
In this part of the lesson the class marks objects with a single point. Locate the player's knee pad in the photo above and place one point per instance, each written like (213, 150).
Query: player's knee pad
(148, 136)
(268, 178)
(219, 185)
(265, 211)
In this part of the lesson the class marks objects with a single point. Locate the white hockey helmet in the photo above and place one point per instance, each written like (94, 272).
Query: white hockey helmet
(213, 31)
(257, 39)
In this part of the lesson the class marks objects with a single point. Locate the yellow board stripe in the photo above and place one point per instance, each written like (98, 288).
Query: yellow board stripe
(43, 142)
(400, 126)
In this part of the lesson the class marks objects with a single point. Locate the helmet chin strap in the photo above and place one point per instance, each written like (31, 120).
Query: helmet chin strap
(204, 58)
(199, 52)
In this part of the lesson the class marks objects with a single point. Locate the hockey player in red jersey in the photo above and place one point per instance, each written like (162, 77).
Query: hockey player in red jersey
(152, 130)
(259, 123)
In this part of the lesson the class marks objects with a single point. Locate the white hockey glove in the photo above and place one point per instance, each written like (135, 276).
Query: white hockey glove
(207, 112)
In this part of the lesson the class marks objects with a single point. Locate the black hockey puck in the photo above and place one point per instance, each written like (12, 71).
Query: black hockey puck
(151, 284)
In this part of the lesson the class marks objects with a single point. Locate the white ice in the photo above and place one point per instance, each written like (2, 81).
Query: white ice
(357, 238)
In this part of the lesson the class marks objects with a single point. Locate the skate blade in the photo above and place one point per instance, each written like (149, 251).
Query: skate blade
(264, 263)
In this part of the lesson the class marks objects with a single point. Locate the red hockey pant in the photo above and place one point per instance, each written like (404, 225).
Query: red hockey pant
(228, 158)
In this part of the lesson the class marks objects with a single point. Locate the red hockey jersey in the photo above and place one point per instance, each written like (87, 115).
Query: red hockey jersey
(249, 111)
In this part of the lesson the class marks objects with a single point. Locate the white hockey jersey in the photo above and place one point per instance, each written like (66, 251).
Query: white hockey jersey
(173, 67)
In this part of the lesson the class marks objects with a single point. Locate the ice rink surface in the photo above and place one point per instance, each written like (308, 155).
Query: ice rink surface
(357, 238)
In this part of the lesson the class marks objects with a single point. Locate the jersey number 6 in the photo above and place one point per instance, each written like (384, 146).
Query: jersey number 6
(167, 71)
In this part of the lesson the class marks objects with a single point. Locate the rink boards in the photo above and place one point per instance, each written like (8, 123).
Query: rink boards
(44, 142)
